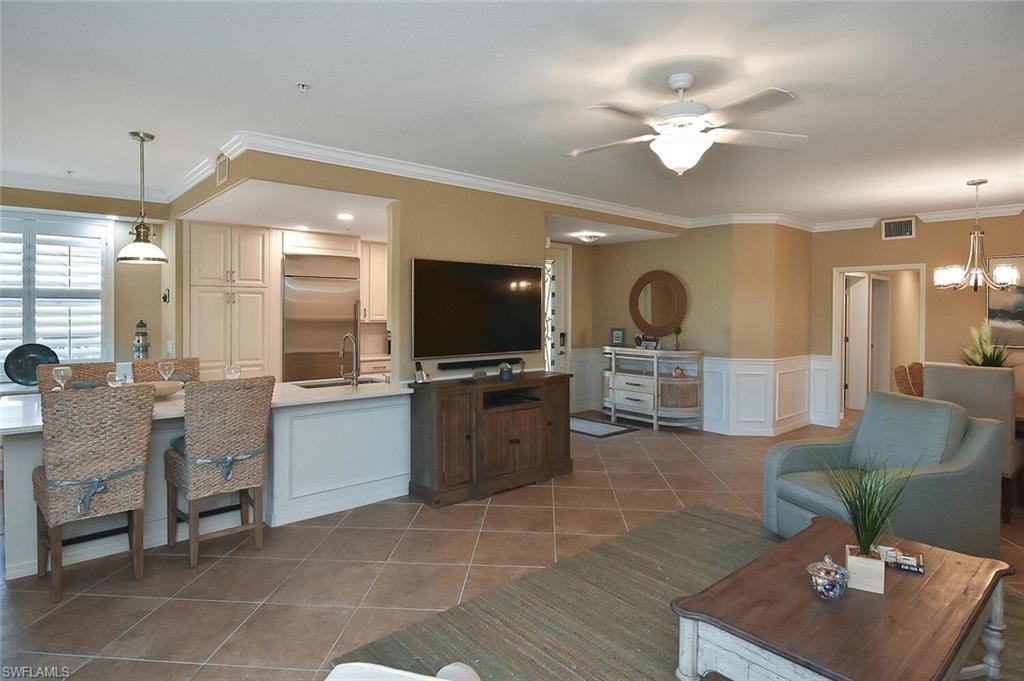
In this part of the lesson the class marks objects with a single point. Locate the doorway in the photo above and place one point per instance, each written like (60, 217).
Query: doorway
(878, 324)
(557, 307)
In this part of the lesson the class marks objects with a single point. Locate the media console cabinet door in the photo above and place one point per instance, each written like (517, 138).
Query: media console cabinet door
(456, 438)
(527, 434)
(496, 444)
(556, 421)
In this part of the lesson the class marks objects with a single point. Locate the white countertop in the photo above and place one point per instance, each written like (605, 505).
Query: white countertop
(22, 413)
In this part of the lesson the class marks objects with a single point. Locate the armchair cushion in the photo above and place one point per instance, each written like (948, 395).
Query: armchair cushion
(810, 490)
(899, 431)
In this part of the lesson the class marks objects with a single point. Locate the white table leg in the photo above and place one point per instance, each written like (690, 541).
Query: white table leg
(993, 635)
(687, 670)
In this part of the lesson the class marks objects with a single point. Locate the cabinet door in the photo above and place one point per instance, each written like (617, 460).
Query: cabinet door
(248, 331)
(250, 256)
(315, 243)
(210, 330)
(528, 440)
(556, 421)
(364, 281)
(495, 445)
(456, 438)
(209, 254)
(377, 302)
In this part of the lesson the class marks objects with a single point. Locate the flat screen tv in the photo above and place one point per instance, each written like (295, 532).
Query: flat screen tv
(464, 308)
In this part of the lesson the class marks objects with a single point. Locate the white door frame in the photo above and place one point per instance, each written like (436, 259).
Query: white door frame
(566, 291)
(838, 274)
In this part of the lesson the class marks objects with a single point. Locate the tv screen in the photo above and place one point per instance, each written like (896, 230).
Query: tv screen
(463, 308)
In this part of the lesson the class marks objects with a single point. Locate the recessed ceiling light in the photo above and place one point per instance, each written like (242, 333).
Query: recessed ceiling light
(302, 228)
(346, 216)
(302, 86)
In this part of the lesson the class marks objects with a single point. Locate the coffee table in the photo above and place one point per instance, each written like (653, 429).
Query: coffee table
(764, 621)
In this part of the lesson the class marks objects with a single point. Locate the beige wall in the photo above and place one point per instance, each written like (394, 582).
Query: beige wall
(79, 203)
(701, 258)
(906, 317)
(582, 285)
(948, 314)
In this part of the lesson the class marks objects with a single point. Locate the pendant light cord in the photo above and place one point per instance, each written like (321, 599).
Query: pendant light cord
(142, 179)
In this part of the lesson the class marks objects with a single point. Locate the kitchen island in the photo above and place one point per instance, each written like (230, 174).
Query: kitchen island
(333, 447)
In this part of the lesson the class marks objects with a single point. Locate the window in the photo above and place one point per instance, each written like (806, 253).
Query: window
(55, 276)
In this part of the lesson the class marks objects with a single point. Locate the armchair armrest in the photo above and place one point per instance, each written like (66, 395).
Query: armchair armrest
(807, 455)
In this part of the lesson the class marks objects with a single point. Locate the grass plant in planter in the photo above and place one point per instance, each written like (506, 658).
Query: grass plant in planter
(869, 494)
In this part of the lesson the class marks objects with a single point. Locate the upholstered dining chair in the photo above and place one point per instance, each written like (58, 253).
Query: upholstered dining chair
(95, 447)
(910, 379)
(185, 369)
(87, 375)
(224, 450)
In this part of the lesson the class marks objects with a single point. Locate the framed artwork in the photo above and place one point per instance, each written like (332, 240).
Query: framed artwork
(618, 337)
(1006, 308)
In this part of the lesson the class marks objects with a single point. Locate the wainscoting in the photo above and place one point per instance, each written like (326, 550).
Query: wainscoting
(741, 396)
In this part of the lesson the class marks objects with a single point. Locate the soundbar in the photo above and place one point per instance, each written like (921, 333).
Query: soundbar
(477, 363)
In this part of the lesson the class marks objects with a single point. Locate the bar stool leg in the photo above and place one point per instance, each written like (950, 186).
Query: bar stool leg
(172, 514)
(136, 540)
(56, 563)
(244, 502)
(193, 533)
(42, 553)
(256, 494)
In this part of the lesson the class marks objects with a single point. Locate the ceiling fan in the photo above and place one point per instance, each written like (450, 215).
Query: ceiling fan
(685, 129)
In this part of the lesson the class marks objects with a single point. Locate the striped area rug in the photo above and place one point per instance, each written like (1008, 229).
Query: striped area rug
(602, 615)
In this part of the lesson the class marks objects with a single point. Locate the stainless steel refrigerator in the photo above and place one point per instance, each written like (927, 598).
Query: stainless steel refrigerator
(321, 304)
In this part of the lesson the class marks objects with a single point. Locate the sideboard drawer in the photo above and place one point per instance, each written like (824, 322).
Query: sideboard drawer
(640, 384)
(629, 398)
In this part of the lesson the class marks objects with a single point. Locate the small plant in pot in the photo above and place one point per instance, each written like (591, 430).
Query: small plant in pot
(982, 352)
(870, 495)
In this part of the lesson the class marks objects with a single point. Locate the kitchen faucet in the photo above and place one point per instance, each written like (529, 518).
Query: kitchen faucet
(354, 374)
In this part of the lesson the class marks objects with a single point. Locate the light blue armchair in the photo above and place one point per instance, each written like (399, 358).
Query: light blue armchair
(952, 498)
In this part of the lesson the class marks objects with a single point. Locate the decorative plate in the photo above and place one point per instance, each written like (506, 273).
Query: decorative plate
(20, 365)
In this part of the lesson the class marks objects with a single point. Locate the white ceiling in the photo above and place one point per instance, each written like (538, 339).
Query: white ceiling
(564, 227)
(903, 102)
(286, 206)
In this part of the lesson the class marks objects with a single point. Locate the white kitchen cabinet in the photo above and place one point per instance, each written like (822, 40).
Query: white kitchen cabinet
(210, 255)
(315, 243)
(250, 255)
(248, 313)
(374, 366)
(210, 330)
(373, 281)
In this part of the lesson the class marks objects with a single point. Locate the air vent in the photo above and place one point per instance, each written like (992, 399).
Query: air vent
(899, 228)
(222, 169)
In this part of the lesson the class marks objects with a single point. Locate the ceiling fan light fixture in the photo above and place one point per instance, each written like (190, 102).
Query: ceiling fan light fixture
(142, 251)
(680, 152)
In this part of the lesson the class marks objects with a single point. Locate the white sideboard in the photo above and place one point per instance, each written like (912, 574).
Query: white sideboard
(646, 385)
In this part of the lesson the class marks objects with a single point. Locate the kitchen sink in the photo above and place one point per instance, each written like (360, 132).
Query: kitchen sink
(335, 382)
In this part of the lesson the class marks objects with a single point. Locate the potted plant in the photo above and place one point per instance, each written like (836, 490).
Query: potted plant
(869, 494)
(982, 352)
(677, 329)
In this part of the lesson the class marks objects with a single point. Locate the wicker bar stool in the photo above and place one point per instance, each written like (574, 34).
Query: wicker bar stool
(95, 446)
(145, 371)
(223, 450)
(91, 375)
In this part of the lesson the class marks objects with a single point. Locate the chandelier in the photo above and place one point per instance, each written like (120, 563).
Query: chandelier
(976, 273)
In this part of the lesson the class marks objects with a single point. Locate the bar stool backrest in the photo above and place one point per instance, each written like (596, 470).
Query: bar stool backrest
(92, 434)
(228, 417)
(144, 370)
(94, 371)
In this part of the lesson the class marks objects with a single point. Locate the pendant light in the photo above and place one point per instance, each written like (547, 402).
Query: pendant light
(142, 251)
(975, 273)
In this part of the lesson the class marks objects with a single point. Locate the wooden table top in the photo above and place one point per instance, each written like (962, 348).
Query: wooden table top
(911, 633)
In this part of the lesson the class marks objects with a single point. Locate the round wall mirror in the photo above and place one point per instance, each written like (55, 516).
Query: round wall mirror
(657, 303)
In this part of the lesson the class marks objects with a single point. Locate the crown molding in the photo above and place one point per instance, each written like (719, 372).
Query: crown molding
(1003, 211)
(752, 219)
(839, 225)
(247, 140)
(200, 172)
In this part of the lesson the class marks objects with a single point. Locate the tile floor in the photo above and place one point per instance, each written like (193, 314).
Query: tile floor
(325, 586)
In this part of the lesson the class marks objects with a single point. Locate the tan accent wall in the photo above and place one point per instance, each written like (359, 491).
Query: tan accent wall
(582, 285)
(948, 314)
(79, 203)
(906, 317)
(701, 258)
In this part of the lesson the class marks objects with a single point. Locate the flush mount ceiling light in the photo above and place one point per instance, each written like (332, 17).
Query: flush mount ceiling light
(142, 251)
(346, 216)
(976, 273)
(302, 86)
(588, 237)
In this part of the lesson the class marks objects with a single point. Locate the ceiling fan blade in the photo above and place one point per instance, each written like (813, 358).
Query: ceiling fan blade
(624, 111)
(632, 140)
(769, 98)
(760, 138)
